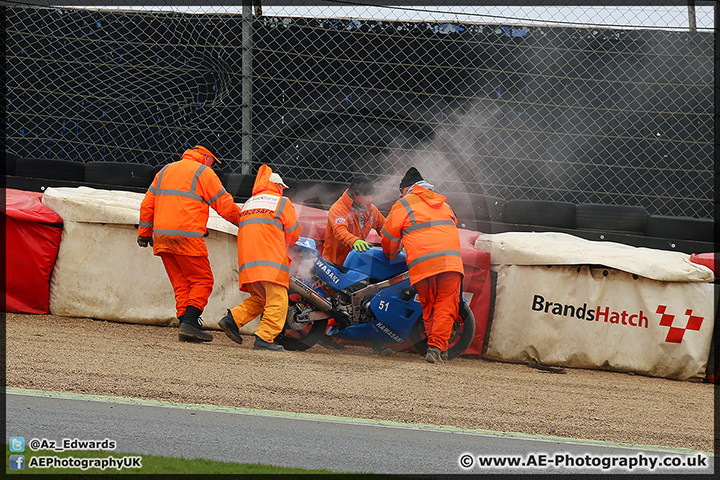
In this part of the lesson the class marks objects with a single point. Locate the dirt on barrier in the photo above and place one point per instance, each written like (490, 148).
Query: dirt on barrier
(82, 355)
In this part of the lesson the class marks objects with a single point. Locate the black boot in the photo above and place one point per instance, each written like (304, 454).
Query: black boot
(190, 330)
(382, 349)
(228, 325)
(329, 342)
(261, 344)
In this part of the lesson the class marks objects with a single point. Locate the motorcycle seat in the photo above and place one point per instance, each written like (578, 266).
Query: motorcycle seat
(339, 267)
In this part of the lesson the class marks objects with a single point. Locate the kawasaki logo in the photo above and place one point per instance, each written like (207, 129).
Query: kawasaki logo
(604, 314)
(327, 271)
(388, 331)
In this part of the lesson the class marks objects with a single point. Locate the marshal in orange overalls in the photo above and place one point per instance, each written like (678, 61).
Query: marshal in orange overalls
(268, 226)
(346, 225)
(174, 213)
(427, 227)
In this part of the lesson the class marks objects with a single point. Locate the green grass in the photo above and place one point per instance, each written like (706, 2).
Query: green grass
(151, 464)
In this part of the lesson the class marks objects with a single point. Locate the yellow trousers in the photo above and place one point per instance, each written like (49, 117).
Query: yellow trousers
(267, 298)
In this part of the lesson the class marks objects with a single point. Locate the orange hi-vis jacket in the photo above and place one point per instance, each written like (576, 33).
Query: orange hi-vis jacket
(427, 227)
(175, 209)
(344, 227)
(268, 225)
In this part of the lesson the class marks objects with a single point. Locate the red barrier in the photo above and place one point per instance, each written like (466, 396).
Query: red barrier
(32, 240)
(708, 259)
(476, 282)
(313, 222)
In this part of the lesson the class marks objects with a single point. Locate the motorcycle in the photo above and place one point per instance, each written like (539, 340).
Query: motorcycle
(369, 297)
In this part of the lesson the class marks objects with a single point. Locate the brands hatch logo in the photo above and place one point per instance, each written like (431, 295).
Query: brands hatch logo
(675, 334)
(630, 319)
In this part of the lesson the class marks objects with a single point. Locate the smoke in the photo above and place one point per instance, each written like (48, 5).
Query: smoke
(468, 159)
(318, 193)
(303, 262)
(451, 159)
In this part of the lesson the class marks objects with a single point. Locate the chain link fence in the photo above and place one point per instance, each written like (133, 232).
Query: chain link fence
(581, 104)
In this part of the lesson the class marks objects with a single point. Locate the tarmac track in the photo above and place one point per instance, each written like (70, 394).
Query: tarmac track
(306, 441)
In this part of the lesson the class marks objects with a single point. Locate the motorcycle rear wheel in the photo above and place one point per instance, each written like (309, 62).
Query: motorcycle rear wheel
(463, 333)
(300, 340)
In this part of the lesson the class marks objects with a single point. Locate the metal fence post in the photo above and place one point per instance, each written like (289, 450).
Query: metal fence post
(691, 16)
(247, 18)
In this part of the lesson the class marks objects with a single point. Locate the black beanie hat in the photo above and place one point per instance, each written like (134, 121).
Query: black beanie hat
(361, 186)
(411, 177)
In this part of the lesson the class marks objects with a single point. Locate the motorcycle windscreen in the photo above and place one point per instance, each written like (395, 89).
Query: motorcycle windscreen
(375, 264)
(306, 242)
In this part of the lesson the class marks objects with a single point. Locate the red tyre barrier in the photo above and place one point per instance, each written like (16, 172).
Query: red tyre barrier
(32, 236)
(708, 259)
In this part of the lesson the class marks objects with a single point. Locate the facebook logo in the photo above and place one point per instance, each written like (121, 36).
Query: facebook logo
(17, 444)
(17, 462)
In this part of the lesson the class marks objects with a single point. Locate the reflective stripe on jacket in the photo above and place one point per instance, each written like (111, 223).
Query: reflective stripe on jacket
(344, 227)
(427, 227)
(268, 225)
(175, 209)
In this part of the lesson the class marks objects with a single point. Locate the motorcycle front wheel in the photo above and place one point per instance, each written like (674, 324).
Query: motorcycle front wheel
(300, 339)
(462, 335)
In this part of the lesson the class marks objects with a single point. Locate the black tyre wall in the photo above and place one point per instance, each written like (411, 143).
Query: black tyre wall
(473, 208)
(10, 161)
(536, 212)
(619, 218)
(233, 183)
(224, 178)
(681, 228)
(50, 169)
(246, 186)
(118, 173)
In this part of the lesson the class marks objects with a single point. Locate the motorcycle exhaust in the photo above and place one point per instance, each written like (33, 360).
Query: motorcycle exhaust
(301, 288)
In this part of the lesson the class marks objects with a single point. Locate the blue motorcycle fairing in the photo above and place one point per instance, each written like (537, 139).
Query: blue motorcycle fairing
(332, 276)
(375, 264)
(394, 318)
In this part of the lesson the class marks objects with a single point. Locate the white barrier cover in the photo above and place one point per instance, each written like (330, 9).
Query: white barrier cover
(584, 317)
(555, 248)
(102, 273)
(90, 205)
